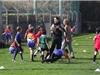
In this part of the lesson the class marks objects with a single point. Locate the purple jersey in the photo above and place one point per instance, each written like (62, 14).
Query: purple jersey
(58, 52)
(18, 37)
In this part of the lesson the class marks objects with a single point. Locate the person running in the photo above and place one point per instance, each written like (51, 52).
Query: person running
(43, 44)
(96, 44)
(29, 26)
(31, 41)
(16, 45)
(39, 32)
(67, 41)
(7, 33)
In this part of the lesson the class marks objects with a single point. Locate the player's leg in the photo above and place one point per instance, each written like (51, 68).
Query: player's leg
(15, 54)
(63, 44)
(70, 49)
(7, 39)
(59, 43)
(42, 56)
(39, 50)
(55, 58)
(31, 54)
(53, 46)
(95, 55)
(21, 53)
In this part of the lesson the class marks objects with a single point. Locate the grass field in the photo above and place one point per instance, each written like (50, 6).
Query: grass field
(81, 65)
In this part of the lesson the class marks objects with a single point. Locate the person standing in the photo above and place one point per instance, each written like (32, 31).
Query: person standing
(96, 44)
(29, 26)
(31, 42)
(7, 33)
(67, 41)
(18, 45)
(56, 35)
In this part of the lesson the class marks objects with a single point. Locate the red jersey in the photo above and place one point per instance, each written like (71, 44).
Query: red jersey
(39, 34)
(97, 42)
(8, 30)
(31, 36)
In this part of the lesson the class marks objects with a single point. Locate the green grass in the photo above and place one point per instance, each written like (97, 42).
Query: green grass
(82, 65)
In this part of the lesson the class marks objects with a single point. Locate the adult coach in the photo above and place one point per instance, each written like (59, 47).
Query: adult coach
(56, 35)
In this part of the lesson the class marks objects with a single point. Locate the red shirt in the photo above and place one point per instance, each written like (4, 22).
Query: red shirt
(39, 34)
(97, 42)
(8, 30)
(31, 36)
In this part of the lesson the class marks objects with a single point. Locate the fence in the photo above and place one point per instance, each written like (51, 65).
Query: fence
(23, 15)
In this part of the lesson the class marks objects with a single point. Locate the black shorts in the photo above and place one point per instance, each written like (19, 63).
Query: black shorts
(44, 49)
(19, 49)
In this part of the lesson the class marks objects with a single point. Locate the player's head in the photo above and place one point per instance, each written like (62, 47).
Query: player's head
(38, 27)
(19, 29)
(56, 20)
(29, 26)
(43, 30)
(31, 29)
(98, 30)
(8, 27)
(65, 21)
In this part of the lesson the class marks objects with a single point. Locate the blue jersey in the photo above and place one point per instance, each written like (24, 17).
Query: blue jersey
(18, 37)
(58, 52)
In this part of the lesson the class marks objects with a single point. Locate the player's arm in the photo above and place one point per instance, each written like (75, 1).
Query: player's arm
(52, 28)
(47, 42)
(66, 37)
(94, 38)
(38, 42)
(25, 35)
(4, 32)
(38, 34)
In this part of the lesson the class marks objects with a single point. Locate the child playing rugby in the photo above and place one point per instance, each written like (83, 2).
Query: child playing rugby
(96, 44)
(29, 26)
(15, 47)
(57, 54)
(31, 41)
(7, 33)
(18, 43)
(67, 41)
(43, 44)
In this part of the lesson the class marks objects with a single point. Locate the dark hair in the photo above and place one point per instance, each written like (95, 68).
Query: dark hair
(43, 30)
(98, 30)
(58, 23)
(18, 28)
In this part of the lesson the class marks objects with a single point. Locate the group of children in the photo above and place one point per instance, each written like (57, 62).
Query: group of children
(39, 39)
(56, 50)
(16, 46)
(34, 40)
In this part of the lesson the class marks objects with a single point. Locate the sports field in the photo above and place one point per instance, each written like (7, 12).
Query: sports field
(81, 65)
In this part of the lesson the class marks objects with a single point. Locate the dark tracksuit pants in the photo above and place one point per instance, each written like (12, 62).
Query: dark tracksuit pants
(53, 58)
(56, 43)
(18, 49)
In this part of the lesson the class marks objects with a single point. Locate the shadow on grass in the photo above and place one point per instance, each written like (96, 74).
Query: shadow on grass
(49, 69)
(83, 58)
(65, 61)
